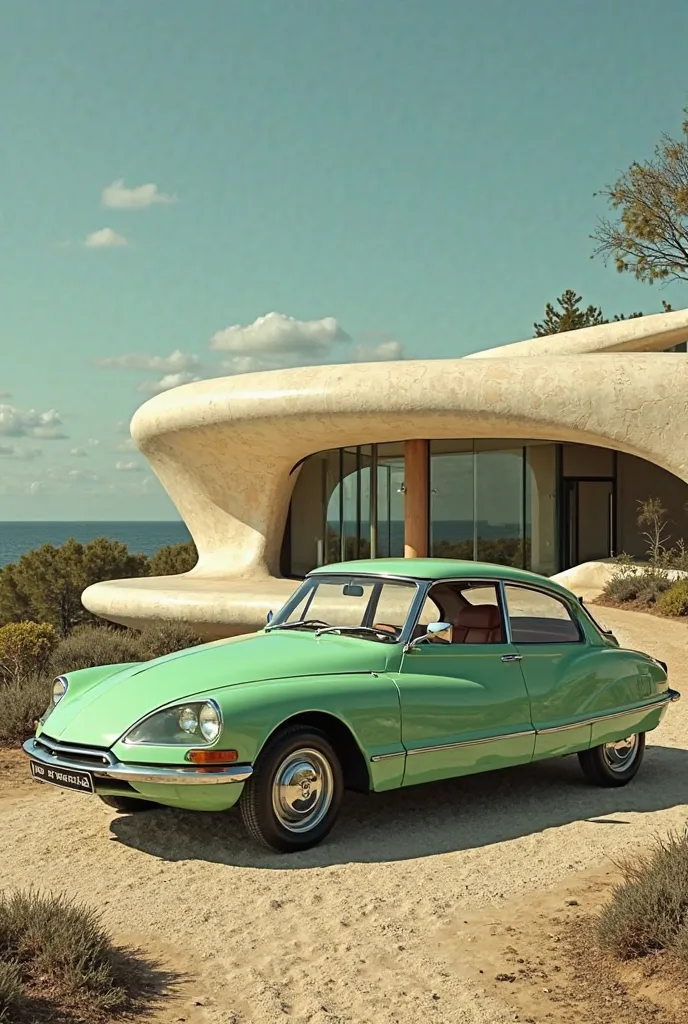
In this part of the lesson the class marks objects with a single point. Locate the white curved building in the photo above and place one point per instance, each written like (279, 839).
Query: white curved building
(534, 454)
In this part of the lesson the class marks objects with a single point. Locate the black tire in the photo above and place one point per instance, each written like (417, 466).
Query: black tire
(128, 804)
(598, 769)
(318, 762)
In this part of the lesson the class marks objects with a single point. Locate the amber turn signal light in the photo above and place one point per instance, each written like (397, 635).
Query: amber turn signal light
(212, 756)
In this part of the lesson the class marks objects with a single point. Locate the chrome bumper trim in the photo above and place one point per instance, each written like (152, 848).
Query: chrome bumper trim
(133, 773)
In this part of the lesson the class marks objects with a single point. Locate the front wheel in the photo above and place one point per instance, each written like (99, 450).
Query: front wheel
(613, 764)
(291, 801)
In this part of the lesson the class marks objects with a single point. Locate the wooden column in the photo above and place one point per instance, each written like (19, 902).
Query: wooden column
(416, 498)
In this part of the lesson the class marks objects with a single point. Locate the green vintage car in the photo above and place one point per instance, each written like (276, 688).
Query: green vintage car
(374, 675)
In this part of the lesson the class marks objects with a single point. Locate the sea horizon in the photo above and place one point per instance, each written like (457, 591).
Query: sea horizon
(141, 536)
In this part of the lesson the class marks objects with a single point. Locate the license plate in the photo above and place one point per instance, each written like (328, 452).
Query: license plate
(67, 778)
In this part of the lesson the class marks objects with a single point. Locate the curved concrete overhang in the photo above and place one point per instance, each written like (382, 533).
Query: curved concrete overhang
(226, 449)
(655, 333)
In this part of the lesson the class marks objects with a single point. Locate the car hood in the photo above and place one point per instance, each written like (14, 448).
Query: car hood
(101, 713)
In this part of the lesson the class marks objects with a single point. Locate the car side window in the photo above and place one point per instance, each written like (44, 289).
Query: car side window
(538, 618)
(472, 610)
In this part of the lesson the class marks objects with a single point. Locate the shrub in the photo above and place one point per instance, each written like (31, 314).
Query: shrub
(25, 648)
(12, 1001)
(633, 585)
(21, 704)
(674, 601)
(163, 638)
(648, 910)
(58, 951)
(173, 559)
(90, 646)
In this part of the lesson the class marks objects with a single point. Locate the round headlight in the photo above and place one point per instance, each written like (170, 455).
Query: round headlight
(59, 689)
(188, 720)
(209, 721)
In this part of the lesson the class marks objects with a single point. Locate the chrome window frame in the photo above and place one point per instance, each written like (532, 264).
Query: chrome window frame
(582, 639)
(470, 581)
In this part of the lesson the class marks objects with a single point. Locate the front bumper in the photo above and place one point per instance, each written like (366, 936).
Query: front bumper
(71, 759)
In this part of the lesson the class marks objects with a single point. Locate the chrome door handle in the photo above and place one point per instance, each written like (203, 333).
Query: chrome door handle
(511, 657)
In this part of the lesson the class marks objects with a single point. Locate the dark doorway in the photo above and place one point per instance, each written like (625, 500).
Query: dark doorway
(588, 527)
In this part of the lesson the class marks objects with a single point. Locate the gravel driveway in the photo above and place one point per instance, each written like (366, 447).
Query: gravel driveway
(346, 933)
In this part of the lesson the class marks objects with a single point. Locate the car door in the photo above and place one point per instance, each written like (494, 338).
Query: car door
(464, 705)
(559, 668)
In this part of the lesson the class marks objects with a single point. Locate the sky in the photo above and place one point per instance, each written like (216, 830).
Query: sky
(196, 190)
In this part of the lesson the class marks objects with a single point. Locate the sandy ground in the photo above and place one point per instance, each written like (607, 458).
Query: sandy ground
(390, 920)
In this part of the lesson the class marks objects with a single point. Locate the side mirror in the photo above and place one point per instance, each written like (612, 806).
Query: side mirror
(269, 618)
(435, 631)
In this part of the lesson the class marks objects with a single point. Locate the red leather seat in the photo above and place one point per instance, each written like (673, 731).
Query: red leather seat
(478, 624)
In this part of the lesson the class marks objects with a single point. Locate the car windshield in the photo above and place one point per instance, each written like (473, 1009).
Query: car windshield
(371, 607)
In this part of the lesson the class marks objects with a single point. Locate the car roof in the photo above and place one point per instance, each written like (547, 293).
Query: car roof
(436, 569)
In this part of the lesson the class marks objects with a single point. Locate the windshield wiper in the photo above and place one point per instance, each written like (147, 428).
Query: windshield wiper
(308, 623)
(356, 629)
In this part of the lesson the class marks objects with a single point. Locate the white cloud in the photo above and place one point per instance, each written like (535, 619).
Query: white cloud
(30, 423)
(277, 341)
(118, 197)
(175, 362)
(386, 350)
(81, 476)
(128, 467)
(35, 487)
(93, 441)
(105, 238)
(166, 383)
(279, 335)
(126, 446)
(78, 452)
(14, 451)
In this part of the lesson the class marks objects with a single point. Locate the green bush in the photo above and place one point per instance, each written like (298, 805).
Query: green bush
(55, 950)
(25, 649)
(648, 911)
(637, 586)
(173, 559)
(161, 638)
(674, 601)
(22, 703)
(91, 646)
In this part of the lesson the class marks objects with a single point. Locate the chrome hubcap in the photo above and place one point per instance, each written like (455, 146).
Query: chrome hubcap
(302, 790)
(621, 754)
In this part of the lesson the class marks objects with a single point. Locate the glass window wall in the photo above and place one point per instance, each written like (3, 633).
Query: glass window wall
(490, 500)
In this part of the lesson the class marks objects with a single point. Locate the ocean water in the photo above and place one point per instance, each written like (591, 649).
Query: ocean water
(147, 538)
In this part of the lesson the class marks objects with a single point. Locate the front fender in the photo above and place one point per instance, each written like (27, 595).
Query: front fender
(366, 703)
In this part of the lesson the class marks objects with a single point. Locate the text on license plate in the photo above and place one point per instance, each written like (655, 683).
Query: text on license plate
(67, 778)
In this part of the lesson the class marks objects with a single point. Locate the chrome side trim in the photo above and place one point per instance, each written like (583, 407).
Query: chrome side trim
(173, 776)
(472, 743)
(671, 697)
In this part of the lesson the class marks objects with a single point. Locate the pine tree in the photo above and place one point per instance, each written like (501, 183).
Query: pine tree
(569, 317)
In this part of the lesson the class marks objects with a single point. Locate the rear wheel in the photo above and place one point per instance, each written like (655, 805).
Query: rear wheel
(128, 804)
(613, 764)
(292, 799)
